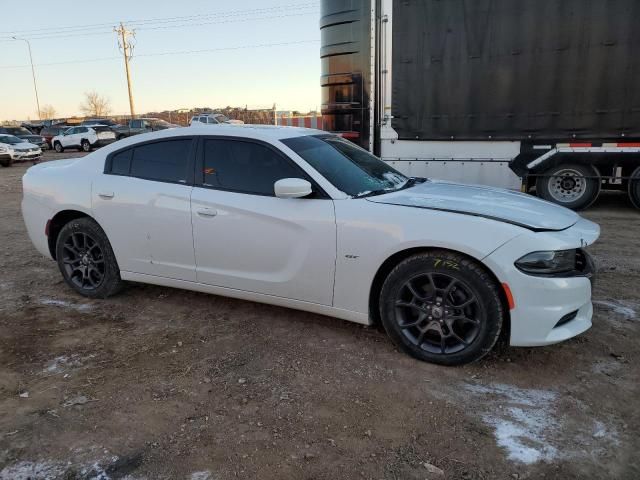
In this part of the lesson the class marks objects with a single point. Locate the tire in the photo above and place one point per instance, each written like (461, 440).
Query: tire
(120, 137)
(7, 162)
(565, 185)
(58, 147)
(86, 260)
(85, 146)
(634, 188)
(455, 323)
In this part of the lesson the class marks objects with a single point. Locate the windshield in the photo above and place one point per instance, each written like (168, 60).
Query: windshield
(10, 139)
(348, 167)
(159, 122)
(221, 118)
(18, 131)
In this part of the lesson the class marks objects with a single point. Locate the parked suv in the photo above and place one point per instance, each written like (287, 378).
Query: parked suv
(14, 149)
(83, 138)
(212, 119)
(24, 134)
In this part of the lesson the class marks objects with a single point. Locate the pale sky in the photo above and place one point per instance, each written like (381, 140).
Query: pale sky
(272, 69)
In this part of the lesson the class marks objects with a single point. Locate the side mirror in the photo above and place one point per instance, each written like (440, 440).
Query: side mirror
(292, 188)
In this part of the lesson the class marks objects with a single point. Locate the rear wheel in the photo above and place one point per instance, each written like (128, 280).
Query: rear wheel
(86, 260)
(570, 185)
(58, 147)
(442, 307)
(634, 188)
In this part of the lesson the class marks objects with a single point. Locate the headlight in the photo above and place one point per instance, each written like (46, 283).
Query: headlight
(548, 263)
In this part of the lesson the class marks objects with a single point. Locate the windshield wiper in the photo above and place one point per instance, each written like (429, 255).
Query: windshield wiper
(373, 193)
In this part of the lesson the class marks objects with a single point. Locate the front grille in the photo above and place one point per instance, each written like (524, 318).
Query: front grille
(566, 319)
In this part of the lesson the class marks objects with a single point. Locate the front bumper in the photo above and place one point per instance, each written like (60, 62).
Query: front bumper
(26, 156)
(547, 309)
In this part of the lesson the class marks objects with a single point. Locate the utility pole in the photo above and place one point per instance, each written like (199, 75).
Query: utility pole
(126, 47)
(33, 74)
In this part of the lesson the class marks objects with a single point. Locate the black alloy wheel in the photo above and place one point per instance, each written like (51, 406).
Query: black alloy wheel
(86, 260)
(83, 261)
(438, 313)
(442, 307)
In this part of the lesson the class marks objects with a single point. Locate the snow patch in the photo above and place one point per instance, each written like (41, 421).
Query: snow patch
(33, 471)
(621, 308)
(64, 363)
(82, 307)
(203, 475)
(521, 419)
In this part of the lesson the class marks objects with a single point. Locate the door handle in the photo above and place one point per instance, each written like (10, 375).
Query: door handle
(106, 194)
(207, 212)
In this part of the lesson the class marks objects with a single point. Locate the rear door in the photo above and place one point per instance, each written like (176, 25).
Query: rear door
(246, 238)
(143, 203)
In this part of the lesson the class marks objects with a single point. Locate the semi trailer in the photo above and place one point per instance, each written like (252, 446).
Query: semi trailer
(537, 95)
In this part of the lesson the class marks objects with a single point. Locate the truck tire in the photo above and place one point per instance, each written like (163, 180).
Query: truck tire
(568, 185)
(634, 188)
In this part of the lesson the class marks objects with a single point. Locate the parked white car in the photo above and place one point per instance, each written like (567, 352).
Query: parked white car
(84, 138)
(14, 149)
(213, 119)
(307, 220)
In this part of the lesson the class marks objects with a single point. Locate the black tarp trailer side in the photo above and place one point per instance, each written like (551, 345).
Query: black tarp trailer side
(438, 85)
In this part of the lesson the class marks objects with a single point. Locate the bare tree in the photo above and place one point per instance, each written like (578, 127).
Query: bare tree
(47, 112)
(95, 105)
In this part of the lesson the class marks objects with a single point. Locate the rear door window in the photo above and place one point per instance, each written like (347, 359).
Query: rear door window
(165, 161)
(121, 162)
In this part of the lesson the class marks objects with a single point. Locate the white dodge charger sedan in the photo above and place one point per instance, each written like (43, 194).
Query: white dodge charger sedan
(307, 220)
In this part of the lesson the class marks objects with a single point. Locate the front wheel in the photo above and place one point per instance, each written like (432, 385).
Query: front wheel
(85, 146)
(7, 162)
(86, 260)
(442, 307)
(573, 186)
(58, 147)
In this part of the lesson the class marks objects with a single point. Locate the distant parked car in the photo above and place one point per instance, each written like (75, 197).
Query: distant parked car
(100, 121)
(83, 138)
(14, 149)
(24, 134)
(142, 125)
(49, 132)
(213, 119)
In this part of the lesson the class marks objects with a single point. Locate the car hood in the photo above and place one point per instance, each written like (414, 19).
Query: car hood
(24, 146)
(35, 138)
(493, 203)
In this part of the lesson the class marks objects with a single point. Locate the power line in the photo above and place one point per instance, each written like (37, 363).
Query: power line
(157, 54)
(191, 25)
(158, 20)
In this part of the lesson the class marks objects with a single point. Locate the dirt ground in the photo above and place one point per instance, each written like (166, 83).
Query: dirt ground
(158, 383)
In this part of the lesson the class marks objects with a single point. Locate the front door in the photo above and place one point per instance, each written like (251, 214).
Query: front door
(143, 203)
(247, 239)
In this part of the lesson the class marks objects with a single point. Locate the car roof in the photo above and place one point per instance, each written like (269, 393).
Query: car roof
(251, 131)
(258, 132)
